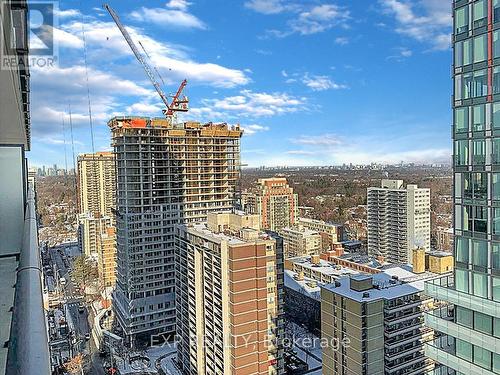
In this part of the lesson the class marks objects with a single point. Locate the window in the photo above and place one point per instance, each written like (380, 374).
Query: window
(496, 327)
(462, 152)
(462, 250)
(496, 45)
(479, 155)
(467, 52)
(464, 316)
(480, 253)
(467, 217)
(496, 220)
(495, 255)
(480, 217)
(479, 13)
(483, 323)
(496, 80)
(480, 185)
(482, 357)
(467, 85)
(495, 181)
(459, 54)
(480, 48)
(463, 52)
(480, 281)
(463, 86)
(496, 10)
(480, 83)
(468, 193)
(496, 363)
(462, 119)
(462, 280)
(496, 288)
(464, 350)
(495, 155)
(478, 116)
(461, 20)
(496, 115)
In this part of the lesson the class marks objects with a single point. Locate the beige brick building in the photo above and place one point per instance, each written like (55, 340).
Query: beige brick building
(274, 200)
(106, 259)
(96, 183)
(228, 297)
(299, 241)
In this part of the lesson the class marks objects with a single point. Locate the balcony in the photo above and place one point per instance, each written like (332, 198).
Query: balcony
(28, 350)
(442, 352)
(435, 320)
(443, 289)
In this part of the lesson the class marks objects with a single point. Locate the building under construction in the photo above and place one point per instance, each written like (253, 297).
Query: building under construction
(167, 174)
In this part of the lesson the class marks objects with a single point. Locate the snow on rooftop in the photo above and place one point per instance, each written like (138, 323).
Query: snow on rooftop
(324, 267)
(392, 283)
(308, 286)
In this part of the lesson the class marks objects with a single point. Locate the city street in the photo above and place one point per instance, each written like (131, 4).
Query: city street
(74, 306)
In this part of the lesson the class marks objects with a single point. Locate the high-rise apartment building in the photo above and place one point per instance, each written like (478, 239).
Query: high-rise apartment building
(228, 297)
(90, 227)
(470, 324)
(274, 200)
(374, 325)
(299, 241)
(398, 220)
(166, 175)
(106, 257)
(97, 183)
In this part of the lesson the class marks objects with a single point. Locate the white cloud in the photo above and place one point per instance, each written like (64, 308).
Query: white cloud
(247, 104)
(176, 16)
(65, 39)
(300, 152)
(319, 18)
(254, 128)
(55, 88)
(105, 41)
(266, 6)
(178, 4)
(426, 21)
(402, 54)
(326, 140)
(68, 13)
(334, 149)
(342, 40)
(321, 83)
(305, 19)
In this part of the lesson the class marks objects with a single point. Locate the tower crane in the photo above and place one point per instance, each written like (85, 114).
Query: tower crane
(178, 104)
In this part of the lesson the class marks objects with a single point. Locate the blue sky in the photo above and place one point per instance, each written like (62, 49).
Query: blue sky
(312, 82)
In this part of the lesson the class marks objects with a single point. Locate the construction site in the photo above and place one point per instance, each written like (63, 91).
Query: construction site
(168, 172)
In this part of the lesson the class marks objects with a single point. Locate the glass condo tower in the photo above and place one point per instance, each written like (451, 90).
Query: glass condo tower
(467, 318)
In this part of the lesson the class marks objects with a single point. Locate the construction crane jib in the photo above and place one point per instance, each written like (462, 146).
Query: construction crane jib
(178, 104)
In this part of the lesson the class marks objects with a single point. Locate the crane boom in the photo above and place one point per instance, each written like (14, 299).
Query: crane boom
(138, 55)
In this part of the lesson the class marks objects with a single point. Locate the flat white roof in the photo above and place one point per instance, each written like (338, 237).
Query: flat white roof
(304, 286)
(392, 283)
(323, 266)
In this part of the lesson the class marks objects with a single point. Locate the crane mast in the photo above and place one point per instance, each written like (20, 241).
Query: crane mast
(177, 103)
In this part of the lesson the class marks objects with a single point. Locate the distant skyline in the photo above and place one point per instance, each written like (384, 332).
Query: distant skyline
(311, 82)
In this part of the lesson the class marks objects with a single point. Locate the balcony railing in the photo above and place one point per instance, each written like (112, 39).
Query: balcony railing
(28, 346)
(443, 289)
